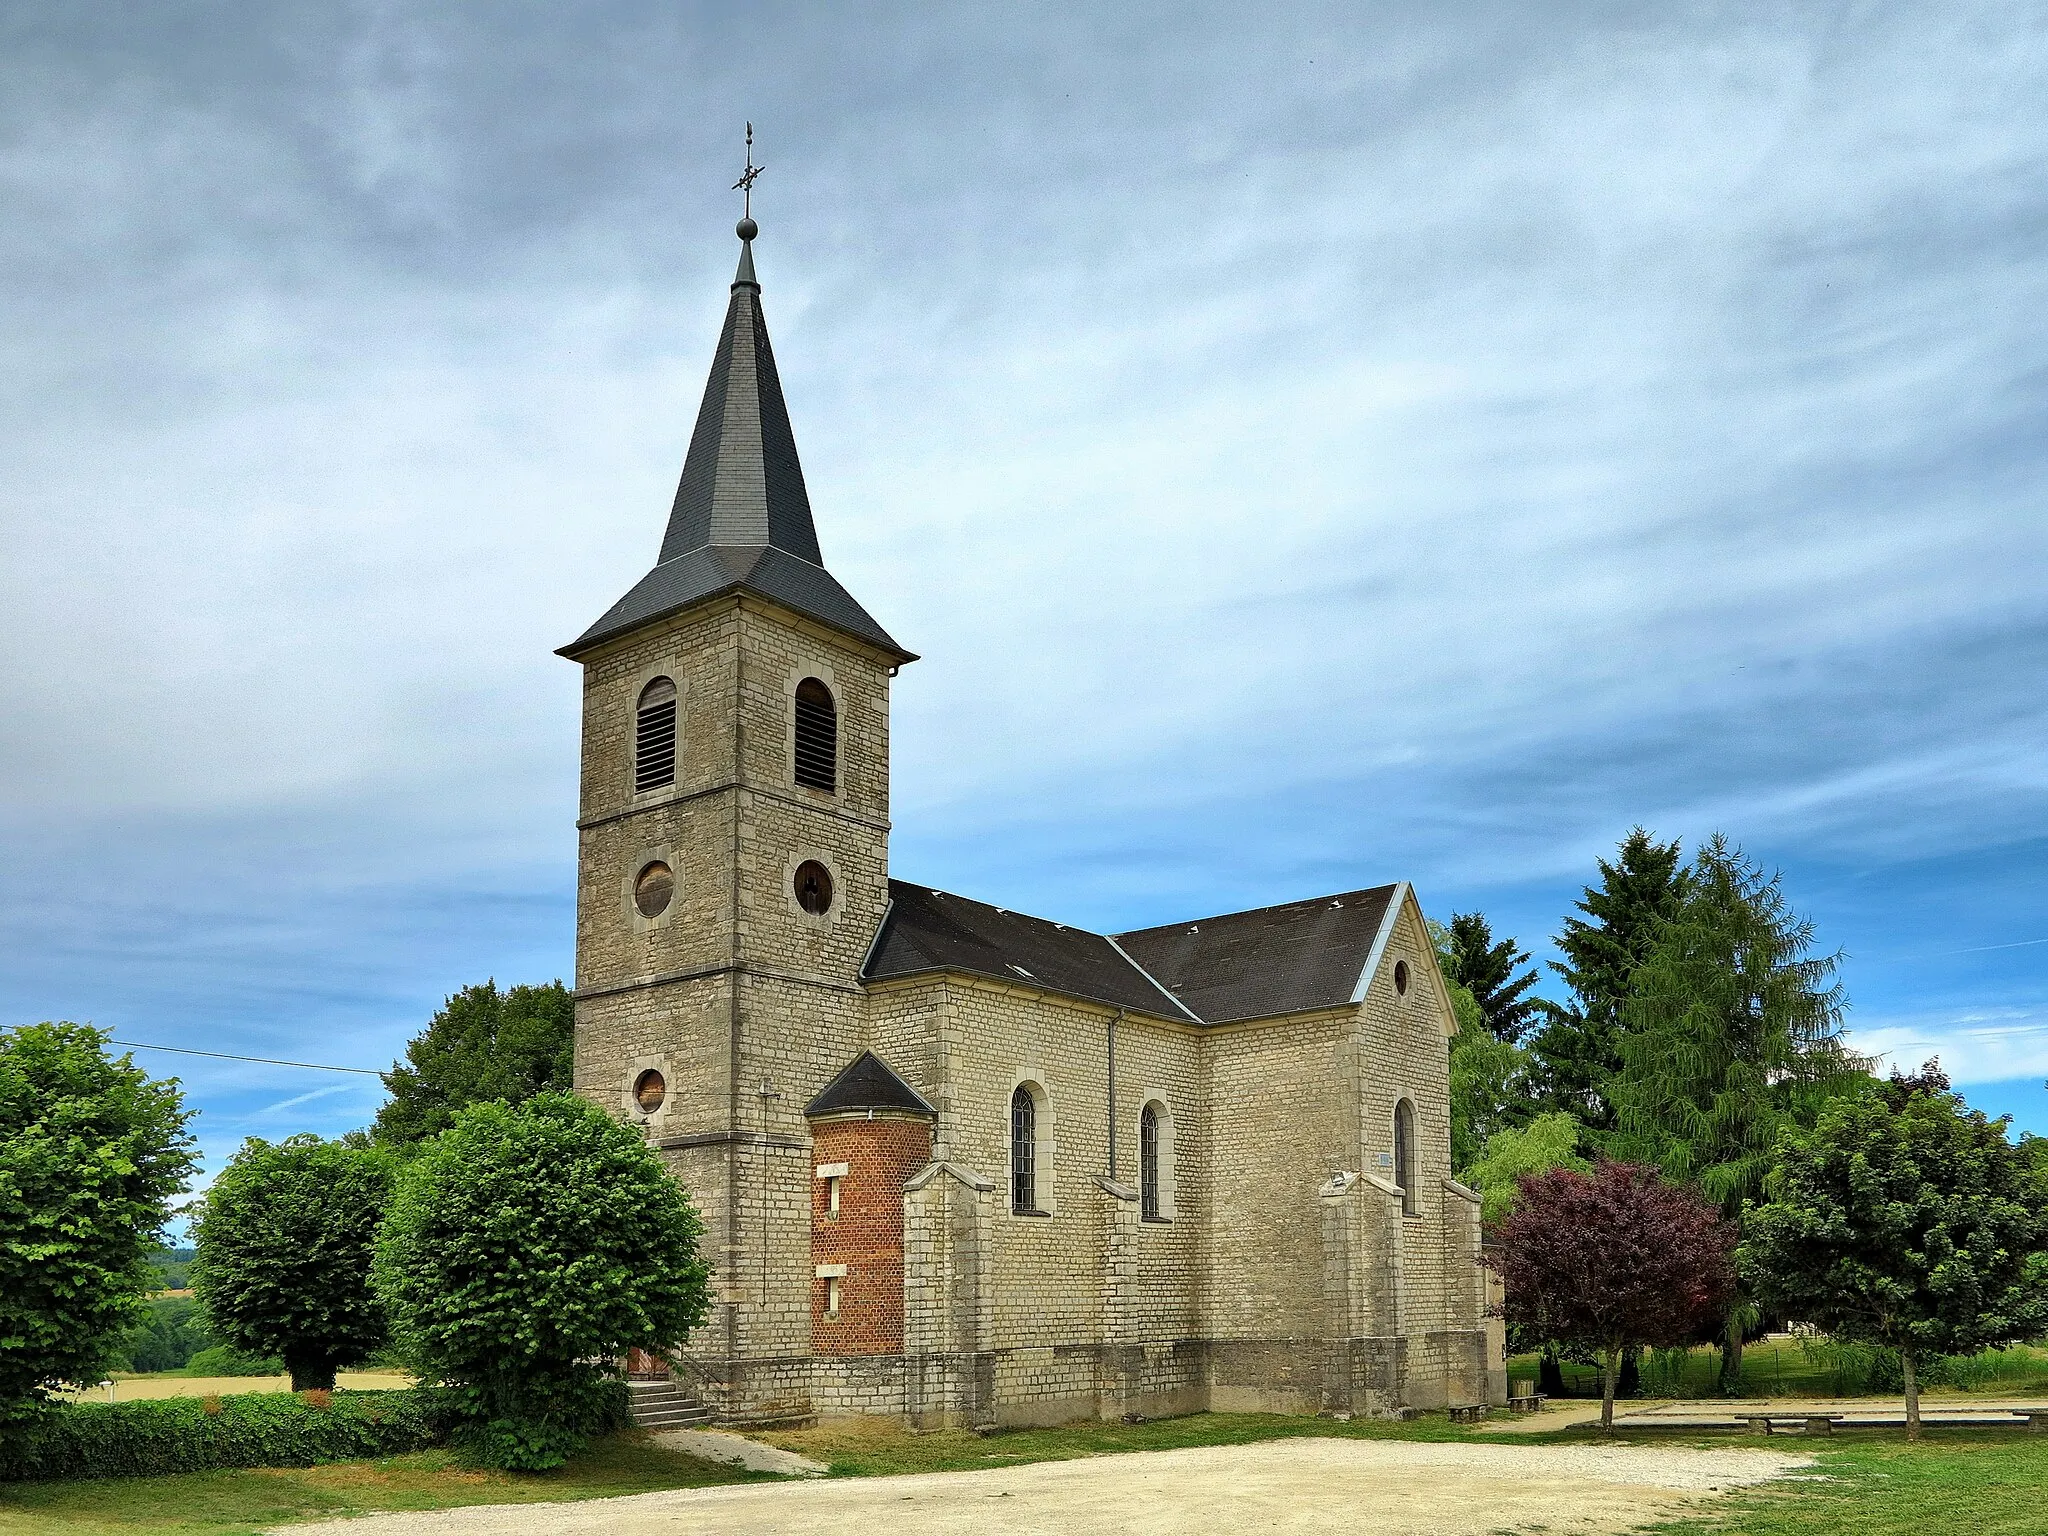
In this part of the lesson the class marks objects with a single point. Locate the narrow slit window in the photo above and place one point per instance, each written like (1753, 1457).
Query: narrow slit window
(654, 737)
(1404, 1154)
(817, 736)
(1023, 1152)
(1148, 1162)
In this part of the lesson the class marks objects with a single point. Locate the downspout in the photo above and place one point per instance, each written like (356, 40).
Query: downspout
(1112, 1091)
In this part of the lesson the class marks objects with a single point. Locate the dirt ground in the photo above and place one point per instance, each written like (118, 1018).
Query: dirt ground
(1365, 1487)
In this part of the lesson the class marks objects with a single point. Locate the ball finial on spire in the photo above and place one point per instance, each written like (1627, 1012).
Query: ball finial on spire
(746, 229)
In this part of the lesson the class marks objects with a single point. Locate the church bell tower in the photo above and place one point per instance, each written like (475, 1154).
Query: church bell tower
(733, 856)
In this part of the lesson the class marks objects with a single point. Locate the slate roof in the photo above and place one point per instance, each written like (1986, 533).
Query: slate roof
(741, 521)
(1251, 965)
(868, 1082)
(1216, 970)
(928, 930)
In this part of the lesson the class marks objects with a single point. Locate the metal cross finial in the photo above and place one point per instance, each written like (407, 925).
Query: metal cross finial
(745, 185)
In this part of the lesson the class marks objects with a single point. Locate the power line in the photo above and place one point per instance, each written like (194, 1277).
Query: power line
(268, 1061)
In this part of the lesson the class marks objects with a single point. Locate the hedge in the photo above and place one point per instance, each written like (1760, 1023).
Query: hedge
(163, 1435)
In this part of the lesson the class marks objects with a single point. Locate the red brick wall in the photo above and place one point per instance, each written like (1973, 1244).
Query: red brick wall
(867, 1234)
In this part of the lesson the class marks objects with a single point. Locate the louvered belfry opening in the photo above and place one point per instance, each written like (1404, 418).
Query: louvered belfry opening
(817, 736)
(654, 737)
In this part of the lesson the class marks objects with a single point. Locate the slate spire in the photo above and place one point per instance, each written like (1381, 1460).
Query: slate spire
(742, 517)
(742, 484)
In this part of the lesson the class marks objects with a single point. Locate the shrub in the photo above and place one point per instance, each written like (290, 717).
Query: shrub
(526, 1251)
(158, 1436)
(226, 1360)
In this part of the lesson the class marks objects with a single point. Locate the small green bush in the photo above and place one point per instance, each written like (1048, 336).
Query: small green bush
(163, 1435)
(226, 1360)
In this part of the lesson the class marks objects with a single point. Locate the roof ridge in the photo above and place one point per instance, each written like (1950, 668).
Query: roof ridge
(1275, 906)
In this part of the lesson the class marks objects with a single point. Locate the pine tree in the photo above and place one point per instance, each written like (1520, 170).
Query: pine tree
(1732, 1037)
(1487, 970)
(1579, 1046)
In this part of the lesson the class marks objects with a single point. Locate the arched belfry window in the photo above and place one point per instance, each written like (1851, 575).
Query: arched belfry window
(817, 736)
(1404, 1154)
(1148, 1162)
(654, 737)
(1024, 1152)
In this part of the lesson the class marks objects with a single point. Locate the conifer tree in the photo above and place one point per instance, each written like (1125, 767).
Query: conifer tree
(1488, 970)
(1489, 1077)
(1579, 1046)
(1733, 1038)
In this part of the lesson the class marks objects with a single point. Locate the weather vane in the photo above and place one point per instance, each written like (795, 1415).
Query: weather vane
(745, 187)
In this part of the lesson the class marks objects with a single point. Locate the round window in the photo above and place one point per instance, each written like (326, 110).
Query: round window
(1401, 977)
(649, 1089)
(654, 889)
(814, 887)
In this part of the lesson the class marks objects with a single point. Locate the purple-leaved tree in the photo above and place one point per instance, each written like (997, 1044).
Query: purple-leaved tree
(1613, 1258)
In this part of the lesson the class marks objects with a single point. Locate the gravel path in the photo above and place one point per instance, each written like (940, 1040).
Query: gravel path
(1367, 1487)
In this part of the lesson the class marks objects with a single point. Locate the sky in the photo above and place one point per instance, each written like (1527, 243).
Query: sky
(1309, 447)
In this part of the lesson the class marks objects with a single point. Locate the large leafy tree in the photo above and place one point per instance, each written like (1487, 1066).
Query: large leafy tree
(527, 1250)
(92, 1152)
(1733, 1037)
(1610, 1260)
(1510, 1156)
(483, 1046)
(1578, 1048)
(1493, 972)
(1904, 1219)
(285, 1240)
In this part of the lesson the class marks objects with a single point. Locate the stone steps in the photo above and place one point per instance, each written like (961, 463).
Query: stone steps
(664, 1405)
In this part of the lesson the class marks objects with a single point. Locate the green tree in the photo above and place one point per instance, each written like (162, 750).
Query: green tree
(171, 1331)
(1546, 1142)
(1907, 1220)
(1488, 1075)
(483, 1046)
(1733, 1037)
(1578, 1048)
(92, 1151)
(1510, 1155)
(285, 1239)
(527, 1250)
(1492, 972)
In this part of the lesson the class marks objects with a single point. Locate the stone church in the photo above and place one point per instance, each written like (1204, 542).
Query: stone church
(956, 1163)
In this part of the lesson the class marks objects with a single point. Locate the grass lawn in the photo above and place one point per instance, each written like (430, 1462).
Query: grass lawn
(234, 1503)
(1952, 1481)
